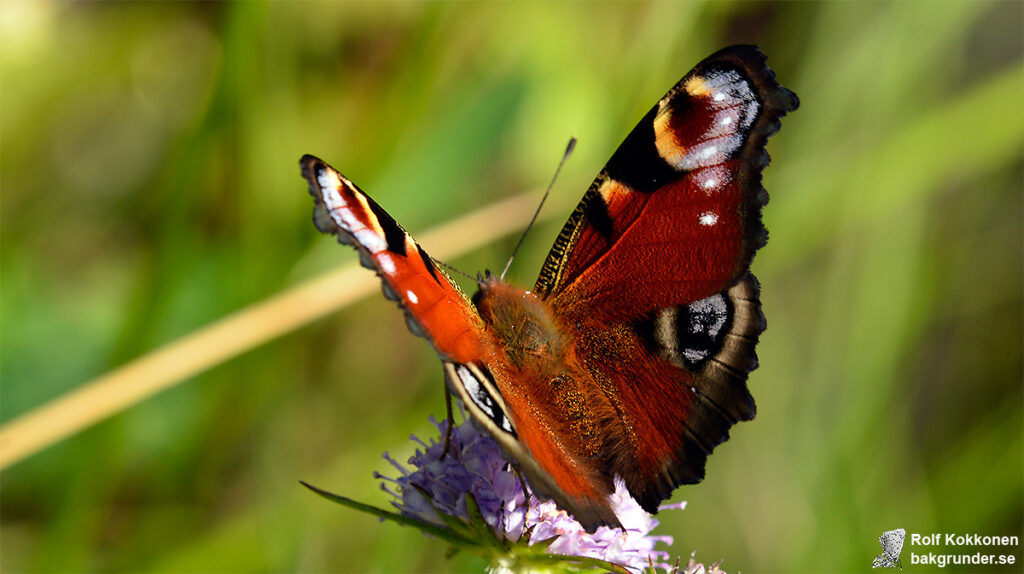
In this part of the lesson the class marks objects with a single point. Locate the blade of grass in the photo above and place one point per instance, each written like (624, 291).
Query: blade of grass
(884, 178)
(237, 333)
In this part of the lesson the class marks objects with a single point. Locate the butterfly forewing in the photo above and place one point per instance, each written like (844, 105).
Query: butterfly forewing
(675, 215)
(892, 541)
(435, 307)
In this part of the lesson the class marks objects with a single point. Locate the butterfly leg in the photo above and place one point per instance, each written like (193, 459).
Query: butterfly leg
(451, 421)
(522, 481)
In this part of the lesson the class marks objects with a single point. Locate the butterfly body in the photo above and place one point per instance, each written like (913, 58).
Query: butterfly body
(629, 356)
(550, 399)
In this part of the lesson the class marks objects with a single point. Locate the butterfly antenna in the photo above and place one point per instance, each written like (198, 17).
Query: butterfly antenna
(565, 156)
(453, 269)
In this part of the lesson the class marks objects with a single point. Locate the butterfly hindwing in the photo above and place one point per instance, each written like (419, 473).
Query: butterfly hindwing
(883, 560)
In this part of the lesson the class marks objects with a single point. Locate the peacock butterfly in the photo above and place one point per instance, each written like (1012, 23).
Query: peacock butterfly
(630, 355)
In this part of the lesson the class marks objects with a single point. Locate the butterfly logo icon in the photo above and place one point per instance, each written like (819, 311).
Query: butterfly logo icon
(892, 545)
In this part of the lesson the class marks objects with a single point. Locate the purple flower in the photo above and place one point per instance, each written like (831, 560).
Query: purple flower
(439, 483)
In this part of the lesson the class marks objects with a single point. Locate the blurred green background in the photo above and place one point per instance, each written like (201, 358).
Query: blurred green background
(150, 185)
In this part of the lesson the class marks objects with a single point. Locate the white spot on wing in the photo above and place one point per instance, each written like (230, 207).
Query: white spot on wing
(342, 213)
(329, 184)
(412, 297)
(708, 218)
(711, 179)
(387, 265)
(366, 237)
(346, 214)
(710, 152)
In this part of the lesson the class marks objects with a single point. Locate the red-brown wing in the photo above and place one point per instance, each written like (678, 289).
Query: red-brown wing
(675, 215)
(651, 272)
(434, 306)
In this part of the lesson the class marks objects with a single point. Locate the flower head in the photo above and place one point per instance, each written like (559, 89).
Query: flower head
(439, 483)
(473, 468)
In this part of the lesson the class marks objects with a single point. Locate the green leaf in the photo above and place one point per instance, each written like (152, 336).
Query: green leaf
(445, 534)
(480, 526)
(579, 561)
